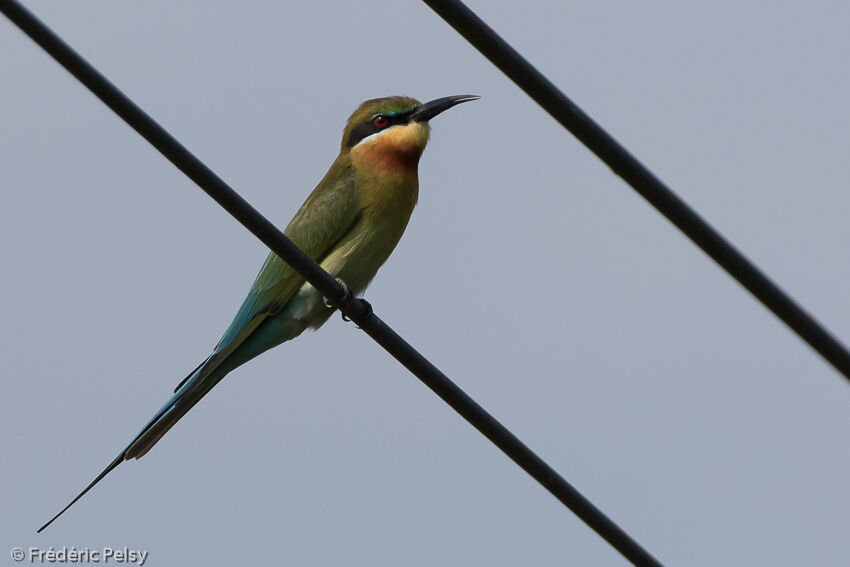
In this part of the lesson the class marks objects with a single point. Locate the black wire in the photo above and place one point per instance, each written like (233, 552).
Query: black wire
(356, 309)
(571, 117)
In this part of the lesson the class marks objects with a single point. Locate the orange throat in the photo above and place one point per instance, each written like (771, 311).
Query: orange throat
(395, 151)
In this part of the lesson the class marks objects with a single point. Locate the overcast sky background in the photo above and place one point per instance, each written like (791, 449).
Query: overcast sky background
(530, 274)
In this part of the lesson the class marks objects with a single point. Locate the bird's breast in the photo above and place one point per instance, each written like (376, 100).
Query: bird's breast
(386, 208)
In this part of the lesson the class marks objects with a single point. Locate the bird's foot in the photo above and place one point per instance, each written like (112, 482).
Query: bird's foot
(345, 298)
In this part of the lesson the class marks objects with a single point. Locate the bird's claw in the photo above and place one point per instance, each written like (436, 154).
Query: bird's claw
(345, 298)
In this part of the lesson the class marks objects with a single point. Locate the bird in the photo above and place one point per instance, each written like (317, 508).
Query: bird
(349, 224)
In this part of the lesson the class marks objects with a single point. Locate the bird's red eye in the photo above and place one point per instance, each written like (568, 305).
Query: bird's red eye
(381, 121)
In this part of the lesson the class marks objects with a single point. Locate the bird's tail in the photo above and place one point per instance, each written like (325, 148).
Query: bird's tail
(194, 387)
(105, 472)
(187, 393)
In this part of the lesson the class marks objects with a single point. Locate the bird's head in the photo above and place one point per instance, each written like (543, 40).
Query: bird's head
(390, 133)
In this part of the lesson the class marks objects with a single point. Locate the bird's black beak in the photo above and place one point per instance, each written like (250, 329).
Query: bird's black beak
(431, 109)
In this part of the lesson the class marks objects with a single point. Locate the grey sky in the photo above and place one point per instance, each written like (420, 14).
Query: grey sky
(530, 274)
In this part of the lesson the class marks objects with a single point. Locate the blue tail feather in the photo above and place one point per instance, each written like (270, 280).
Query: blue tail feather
(186, 395)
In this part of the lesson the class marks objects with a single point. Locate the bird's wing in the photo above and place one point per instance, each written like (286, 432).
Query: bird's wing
(322, 221)
(324, 218)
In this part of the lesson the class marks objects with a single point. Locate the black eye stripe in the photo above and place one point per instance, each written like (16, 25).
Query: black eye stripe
(365, 129)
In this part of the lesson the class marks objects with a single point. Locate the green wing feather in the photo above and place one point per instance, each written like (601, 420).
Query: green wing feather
(325, 217)
(323, 220)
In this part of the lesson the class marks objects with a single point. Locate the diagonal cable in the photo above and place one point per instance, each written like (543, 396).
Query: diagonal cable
(358, 310)
(642, 180)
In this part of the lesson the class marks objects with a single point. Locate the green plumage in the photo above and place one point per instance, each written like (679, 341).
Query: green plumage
(349, 224)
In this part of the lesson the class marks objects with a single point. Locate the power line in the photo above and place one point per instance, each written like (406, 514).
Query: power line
(358, 310)
(650, 187)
